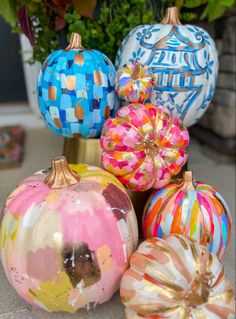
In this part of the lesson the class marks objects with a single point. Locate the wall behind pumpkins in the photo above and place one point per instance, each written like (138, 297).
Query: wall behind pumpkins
(18, 102)
(12, 84)
(217, 126)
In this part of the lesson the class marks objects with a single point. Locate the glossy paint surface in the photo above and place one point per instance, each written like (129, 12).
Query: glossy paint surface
(134, 90)
(201, 214)
(64, 249)
(176, 278)
(76, 92)
(184, 61)
(144, 146)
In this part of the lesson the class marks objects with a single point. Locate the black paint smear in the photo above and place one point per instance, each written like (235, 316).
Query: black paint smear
(80, 264)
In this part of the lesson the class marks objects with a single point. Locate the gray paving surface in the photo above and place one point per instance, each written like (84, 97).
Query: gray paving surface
(41, 146)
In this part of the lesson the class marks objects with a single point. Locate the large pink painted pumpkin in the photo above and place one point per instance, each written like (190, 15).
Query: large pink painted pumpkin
(144, 146)
(66, 237)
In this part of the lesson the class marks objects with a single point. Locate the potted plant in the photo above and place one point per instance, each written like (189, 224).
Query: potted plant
(103, 24)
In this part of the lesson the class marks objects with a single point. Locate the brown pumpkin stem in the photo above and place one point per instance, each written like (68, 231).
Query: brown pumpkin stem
(61, 175)
(75, 42)
(136, 71)
(171, 16)
(188, 180)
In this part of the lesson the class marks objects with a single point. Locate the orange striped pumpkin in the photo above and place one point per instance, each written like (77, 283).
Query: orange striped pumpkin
(190, 208)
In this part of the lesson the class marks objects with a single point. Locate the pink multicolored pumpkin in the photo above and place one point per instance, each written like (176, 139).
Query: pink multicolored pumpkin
(176, 278)
(192, 209)
(144, 146)
(66, 237)
(134, 82)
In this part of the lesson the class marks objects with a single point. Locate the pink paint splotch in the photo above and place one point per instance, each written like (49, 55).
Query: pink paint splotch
(34, 192)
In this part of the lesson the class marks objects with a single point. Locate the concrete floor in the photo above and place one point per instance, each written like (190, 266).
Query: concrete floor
(40, 147)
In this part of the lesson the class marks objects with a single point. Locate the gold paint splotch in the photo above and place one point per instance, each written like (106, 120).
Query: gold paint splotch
(71, 82)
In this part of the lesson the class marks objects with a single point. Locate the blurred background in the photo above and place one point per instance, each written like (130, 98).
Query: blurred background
(31, 30)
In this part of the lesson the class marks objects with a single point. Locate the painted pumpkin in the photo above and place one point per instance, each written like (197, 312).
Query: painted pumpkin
(176, 278)
(66, 237)
(183, 59)
(192, 209)
(134, 82)
(76, 90)
(144, 146)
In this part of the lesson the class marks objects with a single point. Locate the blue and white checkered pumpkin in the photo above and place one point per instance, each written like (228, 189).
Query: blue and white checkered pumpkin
(76, 90)
(183, 59)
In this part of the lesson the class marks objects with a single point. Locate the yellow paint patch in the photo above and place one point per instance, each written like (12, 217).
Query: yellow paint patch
(105, 178)
(194, 218)
(54, 295)
(13, 235)
(3, 237)
(9, 228)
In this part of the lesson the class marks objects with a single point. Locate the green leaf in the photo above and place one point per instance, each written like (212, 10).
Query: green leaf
(147, 17)
(216, 8)
(8, 11)
(191, 4)
(216, 13)
(179, 3)
(188, 16)
(227, 3)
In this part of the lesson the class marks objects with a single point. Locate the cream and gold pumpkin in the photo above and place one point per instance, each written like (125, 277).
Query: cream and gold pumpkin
(176, 278)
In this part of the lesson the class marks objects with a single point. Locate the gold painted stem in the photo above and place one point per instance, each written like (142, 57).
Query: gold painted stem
(188, 180)
(75, 42)
(171, 16)
(199, 292)
(61, 175)
(136, 71)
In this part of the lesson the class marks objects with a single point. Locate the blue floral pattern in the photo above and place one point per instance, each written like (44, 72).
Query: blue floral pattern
(185, 64)
(137, 55)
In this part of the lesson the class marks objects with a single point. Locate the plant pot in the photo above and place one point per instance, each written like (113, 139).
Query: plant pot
(83, 150)
(31, 72)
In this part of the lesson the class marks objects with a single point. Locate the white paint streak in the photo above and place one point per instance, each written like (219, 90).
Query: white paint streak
(125, 251)
(41, 305)
(80, 286)
(31, 215)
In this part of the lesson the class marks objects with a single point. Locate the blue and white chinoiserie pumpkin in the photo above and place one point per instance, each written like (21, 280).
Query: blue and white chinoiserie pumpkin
(183, 59)
(76, 90)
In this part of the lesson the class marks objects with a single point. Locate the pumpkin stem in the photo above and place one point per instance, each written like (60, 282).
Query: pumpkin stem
(188, 180)
(61, 175)
(75, 42)
(199, 292)
(171, 16)
(136, 71)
